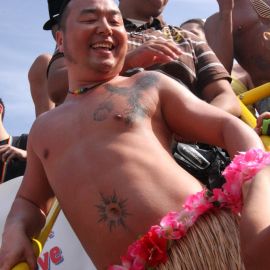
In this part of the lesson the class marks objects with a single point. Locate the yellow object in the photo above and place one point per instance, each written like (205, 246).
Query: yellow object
(238, 87)
(39, 243)
(247, 116)
(266, 142)
(255, 94)
(21, 266)
(250, 97)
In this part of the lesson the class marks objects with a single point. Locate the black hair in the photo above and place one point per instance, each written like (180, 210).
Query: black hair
(198, 21)
(3, 105)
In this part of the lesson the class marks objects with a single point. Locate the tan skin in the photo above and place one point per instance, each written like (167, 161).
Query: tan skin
(248, 27)
(102, 145)
(39, 84)
(254, 226)
(58, 81)
(240, 25)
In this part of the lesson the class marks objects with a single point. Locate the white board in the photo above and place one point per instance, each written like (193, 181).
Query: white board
(62, 250)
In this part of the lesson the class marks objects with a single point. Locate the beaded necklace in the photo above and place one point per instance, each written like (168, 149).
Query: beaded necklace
(261, 8)
(83, 90)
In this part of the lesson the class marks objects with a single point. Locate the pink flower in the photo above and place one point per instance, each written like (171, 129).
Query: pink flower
(170, 226)
(197, 204)
(219, 196)
(150, 250)
(156, 247)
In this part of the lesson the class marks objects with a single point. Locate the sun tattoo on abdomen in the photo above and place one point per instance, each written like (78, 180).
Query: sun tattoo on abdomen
(112, 211)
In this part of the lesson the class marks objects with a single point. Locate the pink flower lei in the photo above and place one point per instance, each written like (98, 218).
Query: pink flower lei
(150, 250)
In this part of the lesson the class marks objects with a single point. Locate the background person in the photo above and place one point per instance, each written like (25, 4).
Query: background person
(13, 153)
(238, 22)
(43, 75)
(177, 53)
(241, 80)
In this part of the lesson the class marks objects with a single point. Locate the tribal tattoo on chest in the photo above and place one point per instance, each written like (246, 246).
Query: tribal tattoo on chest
(134, 100)
(112, 211)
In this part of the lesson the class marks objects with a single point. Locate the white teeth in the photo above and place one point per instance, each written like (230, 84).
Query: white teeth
(102, 45)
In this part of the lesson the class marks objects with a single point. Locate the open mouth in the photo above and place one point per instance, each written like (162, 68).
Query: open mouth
(103, 45)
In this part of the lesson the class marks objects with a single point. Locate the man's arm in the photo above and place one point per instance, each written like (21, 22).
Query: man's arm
(255, 222)
(195, 120)
(38, 84)
(154, 51)
(27, 215)
(58, 80)
(220, 94)
(219, 33)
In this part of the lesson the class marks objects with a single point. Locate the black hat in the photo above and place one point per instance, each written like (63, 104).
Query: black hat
(54, 8)
(63, 6)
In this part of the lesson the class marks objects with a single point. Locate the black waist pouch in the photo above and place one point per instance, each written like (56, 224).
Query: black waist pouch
(205, 162)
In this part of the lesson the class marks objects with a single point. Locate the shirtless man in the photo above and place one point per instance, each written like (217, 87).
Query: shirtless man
(97, 154)
(244, 26)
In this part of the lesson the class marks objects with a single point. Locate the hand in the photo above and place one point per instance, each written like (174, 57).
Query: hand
(8, 152)
(154, 51)
(265, 115)
(16, 248)
(225, 5)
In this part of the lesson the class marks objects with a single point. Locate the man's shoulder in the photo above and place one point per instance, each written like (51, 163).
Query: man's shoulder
(46, 119)
(47, 125)
(148, 74)
(148, 79)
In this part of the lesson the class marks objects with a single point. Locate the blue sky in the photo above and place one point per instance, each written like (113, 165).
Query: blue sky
(22, 40)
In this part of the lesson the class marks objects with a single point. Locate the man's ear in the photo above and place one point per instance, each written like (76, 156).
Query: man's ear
(1, 109)
(59, 40)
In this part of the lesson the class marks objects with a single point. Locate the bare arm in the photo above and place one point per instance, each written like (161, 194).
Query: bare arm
(196, 120)
(220, 94)
(219, 33)
(27, 215)
(38, 84)
(58, 81)
(255, 223)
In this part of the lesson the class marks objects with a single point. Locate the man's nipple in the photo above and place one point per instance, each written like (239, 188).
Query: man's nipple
(118, 116)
